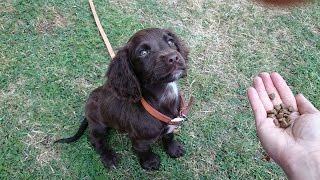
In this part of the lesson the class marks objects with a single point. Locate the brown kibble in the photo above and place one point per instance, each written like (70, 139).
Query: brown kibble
(283, 124)
(276, 122)
(271, 115)
(272, 96)
(291, 109)
(288, 119)
(273, 111)
(277, 107)
(280, 115)
(286, 111)
(270, 112)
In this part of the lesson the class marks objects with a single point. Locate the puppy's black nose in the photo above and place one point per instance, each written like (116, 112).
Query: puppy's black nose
(172, 58)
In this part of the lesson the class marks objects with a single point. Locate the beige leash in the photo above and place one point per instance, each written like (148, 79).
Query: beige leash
(103, 34)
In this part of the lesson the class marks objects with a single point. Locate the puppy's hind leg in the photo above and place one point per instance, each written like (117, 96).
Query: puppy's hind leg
(97, 139)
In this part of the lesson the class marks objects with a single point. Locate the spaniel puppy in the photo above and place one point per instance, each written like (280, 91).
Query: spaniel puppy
(148, 66)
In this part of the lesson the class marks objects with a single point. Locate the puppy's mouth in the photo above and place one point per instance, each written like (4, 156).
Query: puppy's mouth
(166, 71)
(179, 72)
(174, 74)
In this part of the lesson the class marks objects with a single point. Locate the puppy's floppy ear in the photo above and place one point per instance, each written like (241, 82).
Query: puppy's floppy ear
(181, 47)
(122, 79)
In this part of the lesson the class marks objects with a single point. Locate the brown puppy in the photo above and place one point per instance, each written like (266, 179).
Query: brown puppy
(147, 66)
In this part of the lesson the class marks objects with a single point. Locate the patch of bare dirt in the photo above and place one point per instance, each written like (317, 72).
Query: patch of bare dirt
(6, 8)
(47, 23)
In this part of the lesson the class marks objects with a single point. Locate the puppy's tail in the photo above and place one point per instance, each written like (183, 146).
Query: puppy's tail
(82, 128)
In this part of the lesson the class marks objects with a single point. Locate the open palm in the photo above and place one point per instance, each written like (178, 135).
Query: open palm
(302, 138)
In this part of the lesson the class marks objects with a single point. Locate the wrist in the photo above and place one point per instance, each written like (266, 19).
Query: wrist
(305, 166)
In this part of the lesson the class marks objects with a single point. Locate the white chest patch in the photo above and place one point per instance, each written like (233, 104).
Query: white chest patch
(170, 129)
(171, 92)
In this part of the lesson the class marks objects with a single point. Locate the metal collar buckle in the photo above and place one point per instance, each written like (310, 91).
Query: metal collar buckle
(178, 121)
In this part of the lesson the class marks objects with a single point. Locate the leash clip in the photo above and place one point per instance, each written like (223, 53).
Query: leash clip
(177, 121)
(184, 117)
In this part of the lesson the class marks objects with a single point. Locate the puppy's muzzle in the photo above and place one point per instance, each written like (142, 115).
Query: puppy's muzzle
(172, 58)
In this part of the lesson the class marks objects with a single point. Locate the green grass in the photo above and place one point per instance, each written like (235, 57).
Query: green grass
(52, 57)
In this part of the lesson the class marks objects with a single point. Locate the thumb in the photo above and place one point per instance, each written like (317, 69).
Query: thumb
(304, 105)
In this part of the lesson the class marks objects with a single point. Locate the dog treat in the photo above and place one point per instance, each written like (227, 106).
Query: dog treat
(290, 109)
(273, 111)
(280, 115)
(277, 107)
(271, 115)
(276, 122)
(272, 96)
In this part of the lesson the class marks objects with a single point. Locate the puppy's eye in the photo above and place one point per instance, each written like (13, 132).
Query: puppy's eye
(171, 43)
(143, 53)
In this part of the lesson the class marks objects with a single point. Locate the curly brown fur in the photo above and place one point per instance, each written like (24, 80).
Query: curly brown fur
(148, 65)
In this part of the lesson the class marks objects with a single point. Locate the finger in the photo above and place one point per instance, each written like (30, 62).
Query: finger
(257, 107)
(270, 87)
(304, 105)
(262, 93)
(283, 89)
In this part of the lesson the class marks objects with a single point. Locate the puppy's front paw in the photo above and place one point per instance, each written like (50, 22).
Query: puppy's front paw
(150, 162)
(109, 160)
(175, 149)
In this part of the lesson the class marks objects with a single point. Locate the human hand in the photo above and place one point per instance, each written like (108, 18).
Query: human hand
(297, 148)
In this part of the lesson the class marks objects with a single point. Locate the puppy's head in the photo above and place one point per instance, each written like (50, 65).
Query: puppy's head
(157, 56)
(151, 56)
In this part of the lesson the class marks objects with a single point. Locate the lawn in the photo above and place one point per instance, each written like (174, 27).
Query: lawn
(52, 57)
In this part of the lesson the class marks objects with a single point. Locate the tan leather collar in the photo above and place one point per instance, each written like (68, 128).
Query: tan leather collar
(158, 115)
